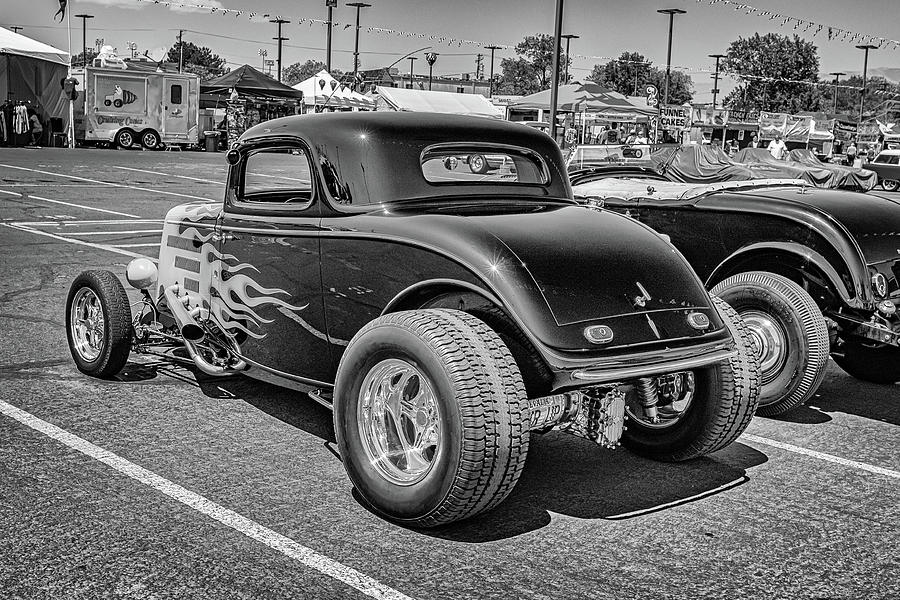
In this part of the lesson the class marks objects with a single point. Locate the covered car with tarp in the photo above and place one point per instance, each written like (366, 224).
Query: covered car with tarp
(846, 178)
(759, 159)
(700, 164)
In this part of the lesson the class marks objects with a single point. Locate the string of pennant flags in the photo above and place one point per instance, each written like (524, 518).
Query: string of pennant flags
(834, 33)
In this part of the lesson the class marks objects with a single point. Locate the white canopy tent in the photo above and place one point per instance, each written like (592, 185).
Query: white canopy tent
(30, 73)
(324, 90)
(402, 99)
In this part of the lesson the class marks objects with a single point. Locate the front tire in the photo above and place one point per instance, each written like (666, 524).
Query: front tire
(790, 334)
(125, 139)
(723, 399)
(890, 185)
(98, 323)
(869, 363)
(430, 416)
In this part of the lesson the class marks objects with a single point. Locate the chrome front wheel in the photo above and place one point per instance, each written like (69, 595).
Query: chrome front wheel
(87, 324)
(770, 340)
(399, 421)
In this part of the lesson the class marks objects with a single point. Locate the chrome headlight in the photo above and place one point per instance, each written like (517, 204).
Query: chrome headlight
(880, 285)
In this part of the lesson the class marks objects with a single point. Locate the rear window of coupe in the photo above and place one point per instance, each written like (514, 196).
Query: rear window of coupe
(477, 164)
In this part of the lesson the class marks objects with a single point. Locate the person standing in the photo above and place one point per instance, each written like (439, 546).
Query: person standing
(851, 153)
(777, 147)
(37, 130)
(754, 141)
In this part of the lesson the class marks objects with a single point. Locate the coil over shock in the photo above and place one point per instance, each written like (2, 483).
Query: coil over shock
(648, 394)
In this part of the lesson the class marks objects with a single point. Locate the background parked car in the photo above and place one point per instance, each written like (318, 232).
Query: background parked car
(887, 166)
(810, 270)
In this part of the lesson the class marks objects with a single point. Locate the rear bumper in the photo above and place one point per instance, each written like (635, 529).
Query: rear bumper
(645, 364)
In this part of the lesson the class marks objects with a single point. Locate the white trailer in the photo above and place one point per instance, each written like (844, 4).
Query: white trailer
(129, 105)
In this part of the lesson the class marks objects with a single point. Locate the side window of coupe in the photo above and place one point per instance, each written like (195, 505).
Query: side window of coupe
(280, 175)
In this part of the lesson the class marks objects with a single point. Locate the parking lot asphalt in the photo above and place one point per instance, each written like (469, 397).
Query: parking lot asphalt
(165, 483)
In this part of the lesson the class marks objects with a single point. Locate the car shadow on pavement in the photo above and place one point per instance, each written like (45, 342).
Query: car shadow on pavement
(573, 477)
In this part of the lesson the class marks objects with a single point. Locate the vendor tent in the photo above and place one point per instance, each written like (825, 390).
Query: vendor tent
(248, 81)
(439, 102)
(584, 97)
(324, 90)
(31, 71)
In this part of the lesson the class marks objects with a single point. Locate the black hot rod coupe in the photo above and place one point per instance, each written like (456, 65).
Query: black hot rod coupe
(809, 270)
(442, 315)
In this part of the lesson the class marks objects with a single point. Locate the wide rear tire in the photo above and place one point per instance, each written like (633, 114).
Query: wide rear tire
(724, 398)
(790, 333)
(98, 323)
(430, 416)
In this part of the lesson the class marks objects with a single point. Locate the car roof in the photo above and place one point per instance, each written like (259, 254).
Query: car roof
(378, 154)
(889, 152)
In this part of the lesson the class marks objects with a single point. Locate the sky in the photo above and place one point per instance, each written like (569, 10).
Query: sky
(606, 29)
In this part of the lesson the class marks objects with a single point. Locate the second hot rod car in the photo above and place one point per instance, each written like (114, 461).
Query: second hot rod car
(442, 320)
(809, 270)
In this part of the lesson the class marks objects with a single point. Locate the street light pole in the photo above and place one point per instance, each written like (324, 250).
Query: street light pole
(358, 6)
(491, 84)
(330, 4)
(862, 97)
(280, 39)
(715, 90)
(671, 12)
(412, 59)
(568, 37)
(84, 19)
(837, 80)
(554, 83)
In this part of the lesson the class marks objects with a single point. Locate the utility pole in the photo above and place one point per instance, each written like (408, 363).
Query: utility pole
(430, 58)
(492, 49)
(837, 79)
(412, 59)
(84, 19)
(671, 12)
(279, 21)
(862, 96)
(16, 28)
(715, 90)
(330, 4)
(479, 66)
(180, 50)
(358, 6)
(554, 84)
(568, 37)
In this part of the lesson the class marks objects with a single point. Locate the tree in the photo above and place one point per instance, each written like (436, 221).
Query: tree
(532, 71)
(762, 63)
(631, 72)
(297, 72)
(78, 59)
(877, 92)
(199, 60)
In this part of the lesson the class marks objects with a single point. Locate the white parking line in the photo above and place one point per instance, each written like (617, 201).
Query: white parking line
(119, 185)
(822, 456)
(78, 242)
(114, 232)
(103, 210)
(167, 174)
(133, 245)
(205, 506)
(73, 222)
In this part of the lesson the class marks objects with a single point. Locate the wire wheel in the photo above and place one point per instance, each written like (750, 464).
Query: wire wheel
(399, 421)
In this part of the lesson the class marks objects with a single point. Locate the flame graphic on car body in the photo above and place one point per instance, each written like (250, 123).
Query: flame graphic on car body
(188, 257)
